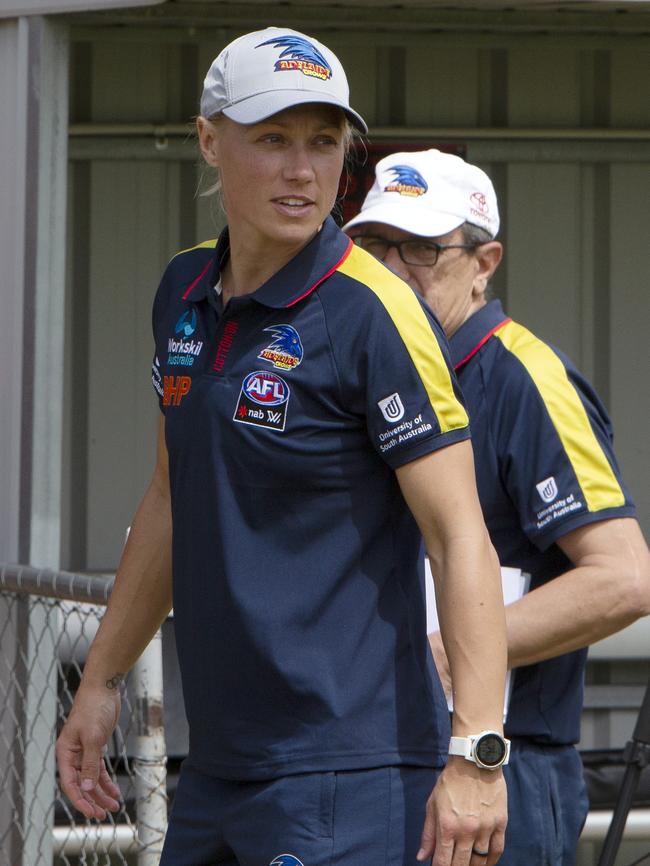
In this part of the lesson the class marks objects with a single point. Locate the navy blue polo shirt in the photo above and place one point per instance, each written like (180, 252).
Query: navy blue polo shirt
(298, 592)
(545, 466)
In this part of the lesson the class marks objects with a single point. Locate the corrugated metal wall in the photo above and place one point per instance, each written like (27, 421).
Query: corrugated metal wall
(575, 218)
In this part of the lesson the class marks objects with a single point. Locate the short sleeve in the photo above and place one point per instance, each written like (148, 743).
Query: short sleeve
(159, 323)
(393, 361)
(156, 380)
(554, 442)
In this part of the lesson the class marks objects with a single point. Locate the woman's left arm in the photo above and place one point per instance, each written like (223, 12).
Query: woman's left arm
(467, 808)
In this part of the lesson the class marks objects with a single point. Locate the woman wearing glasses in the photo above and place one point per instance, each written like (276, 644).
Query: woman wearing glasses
(310, 429)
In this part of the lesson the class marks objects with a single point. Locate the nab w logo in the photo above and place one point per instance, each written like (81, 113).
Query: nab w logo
(274, 417)
(392, 408)
(286, 860)
(547, 489)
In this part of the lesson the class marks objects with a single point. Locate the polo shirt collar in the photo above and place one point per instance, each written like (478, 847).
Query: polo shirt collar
(297, 279)
(476, 331)
(208, 277)
(307, 270)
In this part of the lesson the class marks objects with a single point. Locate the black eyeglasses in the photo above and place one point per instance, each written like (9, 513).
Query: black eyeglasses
(411, 252)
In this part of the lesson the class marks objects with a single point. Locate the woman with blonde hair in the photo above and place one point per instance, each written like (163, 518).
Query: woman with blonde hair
(311, 433)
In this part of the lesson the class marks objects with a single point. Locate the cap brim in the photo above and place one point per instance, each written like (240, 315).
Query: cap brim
(264, 105)
(409, 217)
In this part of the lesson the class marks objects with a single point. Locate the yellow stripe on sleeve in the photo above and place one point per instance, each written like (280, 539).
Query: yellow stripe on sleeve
(568, 415)
(205, 244)
(413, 327)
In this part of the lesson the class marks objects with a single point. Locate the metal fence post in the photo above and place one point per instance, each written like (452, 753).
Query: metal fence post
(150, 754)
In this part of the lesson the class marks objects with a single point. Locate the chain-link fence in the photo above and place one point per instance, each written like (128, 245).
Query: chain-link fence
(47, 622)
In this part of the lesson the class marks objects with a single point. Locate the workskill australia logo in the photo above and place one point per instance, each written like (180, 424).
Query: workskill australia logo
(286, 860)
(392, 407)
(182, 352)
(406, 181)
(299, 55)
(263, 401)
(547, 489)
(285, 349)
(186, 325)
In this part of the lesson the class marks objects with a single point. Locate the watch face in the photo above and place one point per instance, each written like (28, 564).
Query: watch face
(490, 750)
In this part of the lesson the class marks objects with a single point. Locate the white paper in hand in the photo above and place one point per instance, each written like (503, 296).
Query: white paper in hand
(515, 584)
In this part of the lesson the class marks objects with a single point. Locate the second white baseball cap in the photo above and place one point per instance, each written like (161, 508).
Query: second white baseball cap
(264, 72)
(429, 193)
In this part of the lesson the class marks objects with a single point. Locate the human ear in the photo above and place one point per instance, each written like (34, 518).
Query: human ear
(488, 257)
(208, 140)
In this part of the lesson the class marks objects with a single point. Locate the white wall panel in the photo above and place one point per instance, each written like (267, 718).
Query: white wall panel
(630, 86)
(441, 86)
(630, 326)
(134, 82)
(543, 269)
(588, 262)
(210, 218)
(359, 62)
(134, 227)
(543, 85)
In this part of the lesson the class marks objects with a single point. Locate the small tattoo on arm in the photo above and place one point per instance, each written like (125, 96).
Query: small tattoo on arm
(115, 681)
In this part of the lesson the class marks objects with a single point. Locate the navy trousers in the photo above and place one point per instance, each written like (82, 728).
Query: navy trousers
(547, 805)
(355, 818)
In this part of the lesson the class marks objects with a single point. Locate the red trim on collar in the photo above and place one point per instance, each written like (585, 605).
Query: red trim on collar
(198, 279)
(325, 276)
(481, 343)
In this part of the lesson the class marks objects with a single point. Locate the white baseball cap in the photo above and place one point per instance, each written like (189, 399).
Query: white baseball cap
(269, 70)
(429, 193)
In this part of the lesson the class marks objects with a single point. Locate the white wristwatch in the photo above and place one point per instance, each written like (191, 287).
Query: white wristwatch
(489, 749)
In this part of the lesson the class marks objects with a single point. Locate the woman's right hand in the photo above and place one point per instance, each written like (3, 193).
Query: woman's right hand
(80, 749)
(466, 817)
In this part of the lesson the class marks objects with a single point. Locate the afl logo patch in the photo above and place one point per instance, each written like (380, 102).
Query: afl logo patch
(263, 400)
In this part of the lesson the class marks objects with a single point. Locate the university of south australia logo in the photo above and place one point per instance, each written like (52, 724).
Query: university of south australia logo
(547, 489)
(299, 55)
(407, 181)
(392, 408)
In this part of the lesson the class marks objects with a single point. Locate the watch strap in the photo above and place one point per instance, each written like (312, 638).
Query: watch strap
(461, 746)
(467, 747)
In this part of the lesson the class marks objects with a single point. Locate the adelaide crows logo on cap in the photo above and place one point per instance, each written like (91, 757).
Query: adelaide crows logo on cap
(286, 860)
(285, 349)
(299, 54)
(407, 181)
